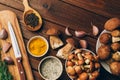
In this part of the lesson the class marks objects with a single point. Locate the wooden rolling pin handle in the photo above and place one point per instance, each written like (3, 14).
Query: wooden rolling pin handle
(21, 70)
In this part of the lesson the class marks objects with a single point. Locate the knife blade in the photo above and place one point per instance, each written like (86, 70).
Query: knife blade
(17, 52)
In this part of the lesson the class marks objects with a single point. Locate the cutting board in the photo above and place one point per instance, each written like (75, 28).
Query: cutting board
(6, 16)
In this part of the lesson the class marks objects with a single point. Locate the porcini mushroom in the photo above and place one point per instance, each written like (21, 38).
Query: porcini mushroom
(65, 50)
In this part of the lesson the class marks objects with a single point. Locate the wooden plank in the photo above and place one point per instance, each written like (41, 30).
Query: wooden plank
(62, 13)
(107, 8)
(6, 16)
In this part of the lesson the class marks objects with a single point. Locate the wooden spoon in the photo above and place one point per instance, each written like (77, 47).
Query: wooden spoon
(29, 10)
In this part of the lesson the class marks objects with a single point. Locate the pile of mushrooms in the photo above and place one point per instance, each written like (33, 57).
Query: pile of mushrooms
(109, 51)
(82, 64)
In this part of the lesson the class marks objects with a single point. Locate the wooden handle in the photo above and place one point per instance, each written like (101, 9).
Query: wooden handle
(21, 70)
(26, 5)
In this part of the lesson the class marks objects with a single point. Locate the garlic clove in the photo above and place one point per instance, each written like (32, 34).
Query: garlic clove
(8, 60)
(83, 43)
(6, 47)
(67, 32)
(80, 33)
(95, 30)
(3, 34)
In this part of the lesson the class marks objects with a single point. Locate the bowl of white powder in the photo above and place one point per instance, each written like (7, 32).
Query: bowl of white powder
(50, 68)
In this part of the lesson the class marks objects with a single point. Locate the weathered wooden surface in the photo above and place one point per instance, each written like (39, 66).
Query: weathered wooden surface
(77, 14)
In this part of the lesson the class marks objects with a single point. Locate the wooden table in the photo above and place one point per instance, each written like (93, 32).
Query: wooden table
(77, 14)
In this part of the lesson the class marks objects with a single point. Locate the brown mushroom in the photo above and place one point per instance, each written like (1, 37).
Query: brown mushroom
(78, 69)
(104, 52)
(95, 74)
(115, 33)
(116, 56)
(115, 68)
(70, 70)
(69, 63)
(97, 65)
(105, 38)
(52, 31)
(83, 76)
(112, 24)
(115, 46)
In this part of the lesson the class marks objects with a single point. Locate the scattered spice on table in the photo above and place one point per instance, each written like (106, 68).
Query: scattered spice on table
(32, 20)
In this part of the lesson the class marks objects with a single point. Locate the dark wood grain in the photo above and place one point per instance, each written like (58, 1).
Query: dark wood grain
(107, 8)
(77, 14)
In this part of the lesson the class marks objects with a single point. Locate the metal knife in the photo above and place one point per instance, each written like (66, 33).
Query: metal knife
(16, 52)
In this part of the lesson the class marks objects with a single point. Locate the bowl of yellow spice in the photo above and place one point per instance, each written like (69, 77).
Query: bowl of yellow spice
(37, 46)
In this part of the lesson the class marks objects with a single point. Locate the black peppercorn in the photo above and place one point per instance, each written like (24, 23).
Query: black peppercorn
(32, 20)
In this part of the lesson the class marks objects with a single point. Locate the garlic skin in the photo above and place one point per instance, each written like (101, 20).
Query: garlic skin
(3, 34)
(6, 47)
(83, 43)
(95, 30)
(67, 32)
(80, 33)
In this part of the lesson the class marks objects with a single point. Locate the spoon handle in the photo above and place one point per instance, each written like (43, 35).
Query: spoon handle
(26, 5)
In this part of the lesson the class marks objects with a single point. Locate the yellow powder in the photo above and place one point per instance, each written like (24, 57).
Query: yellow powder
(37, 46)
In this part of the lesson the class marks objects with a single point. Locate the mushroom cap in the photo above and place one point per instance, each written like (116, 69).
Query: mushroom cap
(115, 46)
(104, 52)
(115, 68)
(112, 24)
(105, 38)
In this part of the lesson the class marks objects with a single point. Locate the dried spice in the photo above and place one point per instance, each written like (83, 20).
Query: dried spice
(32, 20)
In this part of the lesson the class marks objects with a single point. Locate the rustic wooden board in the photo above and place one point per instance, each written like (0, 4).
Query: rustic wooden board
(6, 16)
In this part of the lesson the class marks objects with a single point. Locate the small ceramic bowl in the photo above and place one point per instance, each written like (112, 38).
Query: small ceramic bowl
(78, 63)
(38, 48)
(50, 68)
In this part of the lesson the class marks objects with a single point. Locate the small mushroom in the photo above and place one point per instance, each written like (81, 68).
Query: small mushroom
(97, 65)
(115, 68)
(6, 47)
(78, 69)
(70, 63)
(3, 34)
(55, 42)
(115, 39)
(83, 76)
(95, 74)
(115, 46)
(79, 56)
(81, 62)
(115, 33)
(77, 51)
(70, 70)
(116, 56)
(8, 60)
(65, 50)
(87, 61)
(71, 41)
(90, 66)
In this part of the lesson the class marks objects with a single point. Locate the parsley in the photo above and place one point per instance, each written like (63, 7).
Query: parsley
(4, 73)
